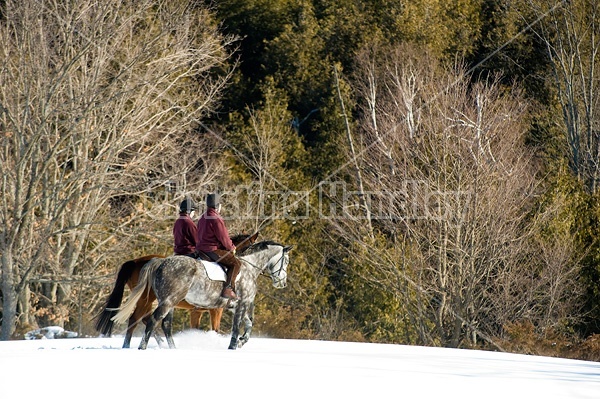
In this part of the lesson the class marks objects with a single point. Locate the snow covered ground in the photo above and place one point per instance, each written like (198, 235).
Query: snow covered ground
(279, 368)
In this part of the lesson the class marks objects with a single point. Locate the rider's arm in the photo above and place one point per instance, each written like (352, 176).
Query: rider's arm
(222, 234)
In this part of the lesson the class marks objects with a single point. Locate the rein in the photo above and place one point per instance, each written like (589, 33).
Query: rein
(280, 260)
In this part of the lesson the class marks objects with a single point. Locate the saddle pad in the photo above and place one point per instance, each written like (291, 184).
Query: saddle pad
(214, 271)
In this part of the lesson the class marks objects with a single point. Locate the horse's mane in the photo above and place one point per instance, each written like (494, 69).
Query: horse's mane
(240, 237)
(260, 246)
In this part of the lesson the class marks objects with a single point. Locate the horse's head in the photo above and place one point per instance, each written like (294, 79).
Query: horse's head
(278, 266)
(269, 256)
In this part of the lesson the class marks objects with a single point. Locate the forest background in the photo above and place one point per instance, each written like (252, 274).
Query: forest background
(435, 163)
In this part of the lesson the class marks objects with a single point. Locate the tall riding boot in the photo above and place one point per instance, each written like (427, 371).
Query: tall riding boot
(232, 274)
(229, 287)
(228, 291)
(233, 265)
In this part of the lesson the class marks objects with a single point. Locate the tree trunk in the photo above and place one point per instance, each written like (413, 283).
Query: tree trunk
(9, 303)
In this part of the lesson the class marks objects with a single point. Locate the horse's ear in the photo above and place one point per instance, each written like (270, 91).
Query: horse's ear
(288, 248)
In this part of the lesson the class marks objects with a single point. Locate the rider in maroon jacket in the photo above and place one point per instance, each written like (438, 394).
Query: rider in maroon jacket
(184, 230)
(213, 239)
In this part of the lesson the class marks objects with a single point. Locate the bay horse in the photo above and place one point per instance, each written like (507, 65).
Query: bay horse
(129, 275)
(179, 278)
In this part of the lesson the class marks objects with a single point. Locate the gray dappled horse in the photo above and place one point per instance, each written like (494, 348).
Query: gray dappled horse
(129, 274)
(178, 278)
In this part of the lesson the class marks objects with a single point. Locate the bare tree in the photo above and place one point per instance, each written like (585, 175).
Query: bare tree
(266, 149)
(571, 33)
(98, 108)
(451, 182)
(546, 290)
(354, 158)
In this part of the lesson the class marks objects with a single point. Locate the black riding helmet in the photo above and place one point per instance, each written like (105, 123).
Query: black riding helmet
(187, 206)
(213, 200)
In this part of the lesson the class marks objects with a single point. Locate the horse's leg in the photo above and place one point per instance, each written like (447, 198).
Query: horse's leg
(248, 319)
(240, 314)
(130, 329)
(167, 326)
(139, 314)
(142, 313)
(157, 316)
(147, 333)
(215, 318)
(158, 339)
(155, 334)
(195, 317)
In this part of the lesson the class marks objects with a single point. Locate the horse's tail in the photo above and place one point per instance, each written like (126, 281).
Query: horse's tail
(104, 325)
(144, 282)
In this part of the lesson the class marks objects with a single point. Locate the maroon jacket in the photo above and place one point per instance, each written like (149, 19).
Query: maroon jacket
(184, 232)
(212, 233)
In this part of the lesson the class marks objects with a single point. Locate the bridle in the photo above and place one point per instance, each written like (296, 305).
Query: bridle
(280, 260)
(271, 274)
